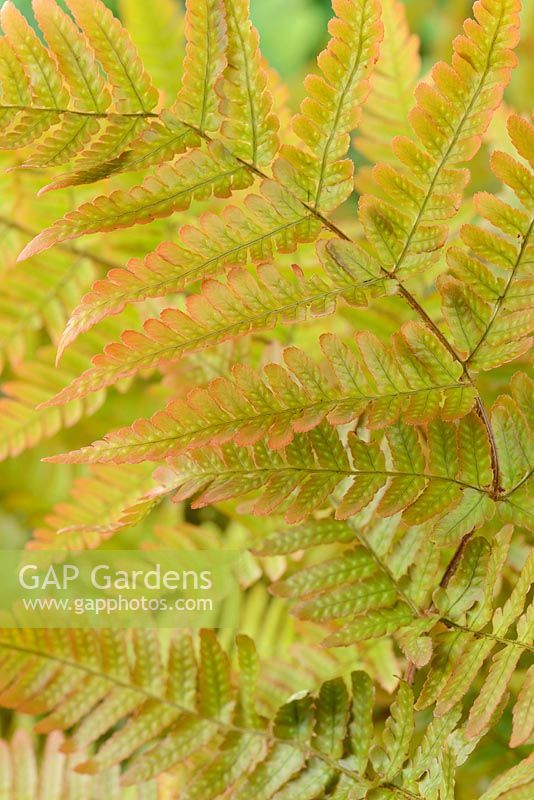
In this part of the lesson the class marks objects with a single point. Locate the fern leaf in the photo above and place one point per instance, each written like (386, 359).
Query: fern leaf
(516, 777)
(21, 425)
(65, 92)
(244, 304)
(302, 477)
(48, 89)
(69, 48)
(132, 89)
(198, 175)
(197, 102)
(522, 712)
(250, 407)
(40, 296)
(173, 131)
(477, 651)
(514, 442)
(24, 773)
(268, 222)
(397, 736)
(321, 175)
(449, 119)
(385, 113)
(250, 136)
(486, 300)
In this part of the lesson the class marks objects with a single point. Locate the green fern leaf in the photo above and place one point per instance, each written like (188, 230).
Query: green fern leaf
(488, 308)
(250, 407)
(321, 175)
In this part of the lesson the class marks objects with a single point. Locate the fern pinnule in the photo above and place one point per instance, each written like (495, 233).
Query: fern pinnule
(416, 379)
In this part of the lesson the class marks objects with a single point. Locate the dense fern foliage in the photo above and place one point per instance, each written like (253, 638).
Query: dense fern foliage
(295, 323)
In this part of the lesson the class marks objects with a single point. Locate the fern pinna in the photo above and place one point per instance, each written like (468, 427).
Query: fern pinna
(301, 328)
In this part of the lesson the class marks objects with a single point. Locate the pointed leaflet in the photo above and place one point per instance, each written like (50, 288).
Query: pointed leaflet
(269, 222)
(197, 175)
(320, 175)
(249, 405)
(222, 311)
(249, 128)
(73, 57)
(408, 229)
(490, 312)
(205, 59)
(132, 89)
(397, 735)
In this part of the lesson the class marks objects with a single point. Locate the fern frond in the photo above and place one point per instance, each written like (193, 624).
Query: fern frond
(175, 129)
(197, 175)
(249, 128)
(515, 446)
(244, 304)
(40, 295)
(407, 230)
(321, 175)
(477, 629)
(103, 503)
(205, 25)
(385, 113)
(270, 221)
(60, 95)
(313, 742)
(426, 483)
(487, 300)
(250, 407)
